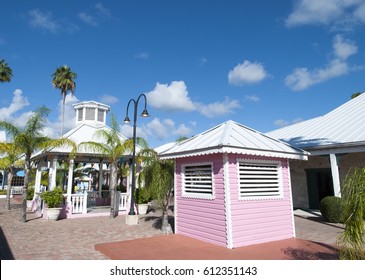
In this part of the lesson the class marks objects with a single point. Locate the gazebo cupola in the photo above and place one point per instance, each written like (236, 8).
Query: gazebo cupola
(91, 112)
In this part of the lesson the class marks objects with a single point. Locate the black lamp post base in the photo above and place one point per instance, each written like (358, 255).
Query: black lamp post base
(131, 219)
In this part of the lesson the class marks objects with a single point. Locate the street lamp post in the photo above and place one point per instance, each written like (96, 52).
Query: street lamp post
(127, 120)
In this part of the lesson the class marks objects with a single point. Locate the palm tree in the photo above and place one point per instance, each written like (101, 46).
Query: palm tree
(158, 176)
(112, 148)
(30, 139)
(351, 241)
(64, 79)
(5, 72)
(11, 159)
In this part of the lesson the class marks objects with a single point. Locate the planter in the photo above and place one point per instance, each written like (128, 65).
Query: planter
(29, 204)
(53, 213)
(142, 209)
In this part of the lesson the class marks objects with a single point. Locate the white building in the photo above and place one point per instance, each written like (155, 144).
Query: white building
(336, 142)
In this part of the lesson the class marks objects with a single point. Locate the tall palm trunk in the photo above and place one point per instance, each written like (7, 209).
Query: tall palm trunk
(113, 183)
(8, 191)
(63, 111)
(23, 215)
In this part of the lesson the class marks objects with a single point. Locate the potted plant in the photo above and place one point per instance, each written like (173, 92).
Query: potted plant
(30, 195)
(54, 201)
(142, 197)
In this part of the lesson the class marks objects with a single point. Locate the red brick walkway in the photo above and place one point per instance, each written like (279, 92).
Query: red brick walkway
(98, 238)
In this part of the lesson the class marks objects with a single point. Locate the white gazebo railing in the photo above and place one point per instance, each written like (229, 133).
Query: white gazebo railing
(79, 203)
(123, 201)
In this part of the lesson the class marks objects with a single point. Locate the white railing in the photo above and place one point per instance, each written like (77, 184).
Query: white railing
(79, 203)
(123, 201)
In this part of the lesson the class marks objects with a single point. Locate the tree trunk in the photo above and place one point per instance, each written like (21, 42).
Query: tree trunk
(8, 190)
(23, 214)
(166, 227)
(113, 183)
(63, 112)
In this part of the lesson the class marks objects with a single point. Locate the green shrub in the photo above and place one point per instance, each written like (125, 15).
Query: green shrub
(331, 209)
(3, 192)
(30, 193)
(142, 196)
(53, 199)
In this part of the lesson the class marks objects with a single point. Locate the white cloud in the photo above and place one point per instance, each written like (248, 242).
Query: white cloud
(88, 19)
(360, 13)
(202, 61)
(173, 97)
(103, 11)
(108, 99)
(127, 131)
(335, 13)
(283, 123)
(18, 103)
(142, 55)
(254, 98)
(166, 128)
(343, 48)
(44, 21)
(53, 129)
(218, 108)
(247, 73)
(302, 78)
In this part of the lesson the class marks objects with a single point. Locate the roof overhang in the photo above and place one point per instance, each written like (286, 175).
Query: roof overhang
(303, 155)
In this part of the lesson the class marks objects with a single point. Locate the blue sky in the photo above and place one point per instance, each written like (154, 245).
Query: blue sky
(264, 64)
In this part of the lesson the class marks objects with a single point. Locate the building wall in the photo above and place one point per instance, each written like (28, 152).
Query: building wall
(202, 219)
(298, 174)
(260, 220)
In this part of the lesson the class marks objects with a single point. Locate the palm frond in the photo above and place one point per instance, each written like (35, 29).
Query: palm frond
(351, 241)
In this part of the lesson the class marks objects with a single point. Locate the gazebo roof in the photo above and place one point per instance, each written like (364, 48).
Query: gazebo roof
(88, 122)
(82, 133)
(232, 137)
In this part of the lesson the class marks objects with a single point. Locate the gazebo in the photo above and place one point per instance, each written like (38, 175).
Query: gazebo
(232, 186)
(90, 117)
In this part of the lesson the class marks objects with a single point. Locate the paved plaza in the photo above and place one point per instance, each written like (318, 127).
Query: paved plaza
(75, 239)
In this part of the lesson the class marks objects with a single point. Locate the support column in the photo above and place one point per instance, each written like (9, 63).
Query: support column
(100, 177)
(70, 181)
(38, 176)
(335, 175)
(54, 173)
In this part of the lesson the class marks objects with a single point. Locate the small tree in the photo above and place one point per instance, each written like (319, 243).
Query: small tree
(112, 147)
(158, 176)
(351, 241)
(11, 158)
(29, 139)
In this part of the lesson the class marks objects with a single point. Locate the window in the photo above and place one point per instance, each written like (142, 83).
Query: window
(198, 181)
(90, 114)
(80, 116)
(100, 115)
(259, 179)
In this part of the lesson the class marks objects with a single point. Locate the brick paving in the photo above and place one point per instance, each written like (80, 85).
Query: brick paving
(75, 239)
(68, 239)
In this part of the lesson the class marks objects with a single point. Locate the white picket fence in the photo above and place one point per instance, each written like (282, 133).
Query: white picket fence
(123, 201)
(79, 203)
